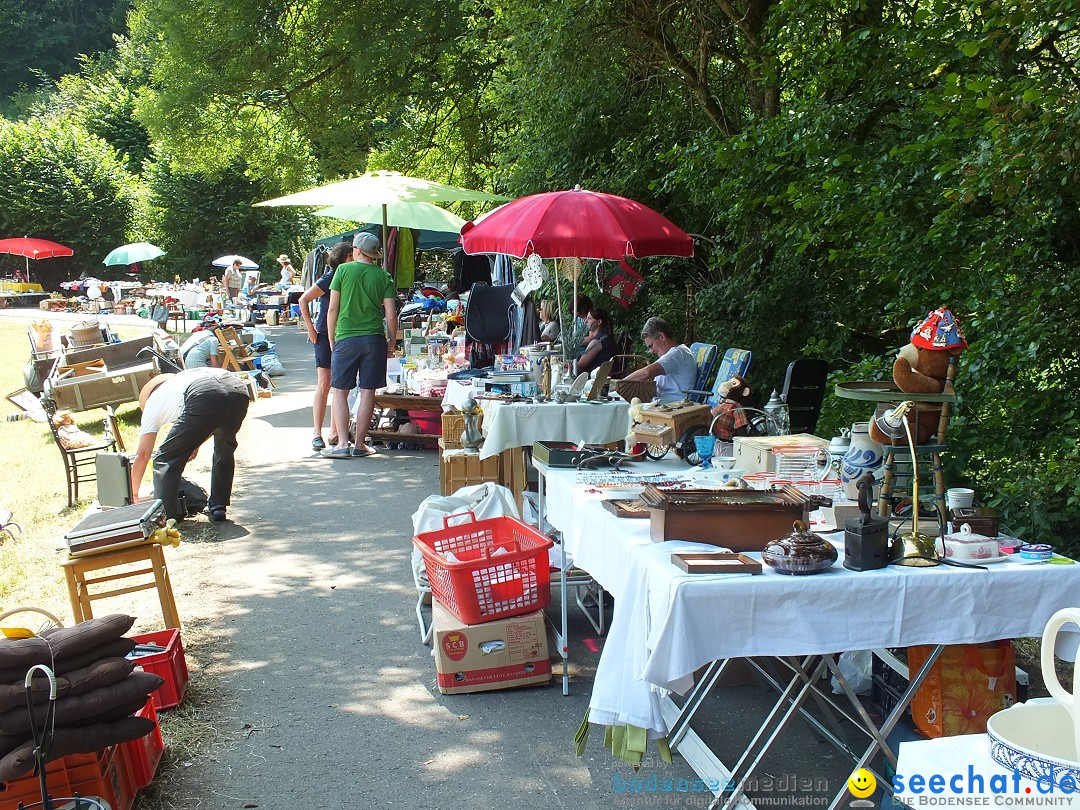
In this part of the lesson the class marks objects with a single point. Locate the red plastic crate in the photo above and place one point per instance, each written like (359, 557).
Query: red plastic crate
(170, 665)
(144, 754)
(499, 567)
(104, 774)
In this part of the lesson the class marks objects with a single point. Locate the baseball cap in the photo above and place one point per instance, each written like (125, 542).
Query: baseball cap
(368, 244)
(151, 386)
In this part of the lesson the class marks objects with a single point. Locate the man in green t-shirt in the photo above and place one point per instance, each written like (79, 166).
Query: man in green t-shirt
(361, 296)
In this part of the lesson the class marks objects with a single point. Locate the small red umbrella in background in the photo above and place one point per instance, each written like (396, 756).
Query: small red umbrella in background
(33, 249)
(578, 223)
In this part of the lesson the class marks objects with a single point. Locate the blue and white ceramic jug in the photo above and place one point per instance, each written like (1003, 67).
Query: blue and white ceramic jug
(863, 455)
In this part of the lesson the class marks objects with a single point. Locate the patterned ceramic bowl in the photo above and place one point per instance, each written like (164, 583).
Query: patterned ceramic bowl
(1036, 738)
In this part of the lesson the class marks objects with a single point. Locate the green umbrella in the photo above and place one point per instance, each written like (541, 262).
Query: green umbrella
(382, 189)
(420, 215)
(133, 253)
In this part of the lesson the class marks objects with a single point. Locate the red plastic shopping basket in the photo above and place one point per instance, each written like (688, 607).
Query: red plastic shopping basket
(483, 570)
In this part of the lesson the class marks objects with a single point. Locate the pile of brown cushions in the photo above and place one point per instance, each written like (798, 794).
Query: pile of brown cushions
(97, 691)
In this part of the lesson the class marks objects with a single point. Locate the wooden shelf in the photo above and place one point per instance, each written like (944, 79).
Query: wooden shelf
(408, 402)
(394, 436)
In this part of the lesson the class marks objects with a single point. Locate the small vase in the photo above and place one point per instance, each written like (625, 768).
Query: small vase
(863, 455)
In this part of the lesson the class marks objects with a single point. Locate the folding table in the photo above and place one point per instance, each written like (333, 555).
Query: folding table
(667, 625)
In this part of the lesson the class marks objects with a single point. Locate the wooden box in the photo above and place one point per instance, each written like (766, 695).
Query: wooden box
(740, 520)
(981, 519)
(459, 469)
(666, 424)
(715, 562)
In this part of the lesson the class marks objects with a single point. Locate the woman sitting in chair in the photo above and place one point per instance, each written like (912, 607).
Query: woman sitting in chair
(601, 346)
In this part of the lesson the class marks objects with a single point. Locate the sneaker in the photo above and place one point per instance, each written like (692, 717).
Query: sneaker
(216, 514)
(318, 444)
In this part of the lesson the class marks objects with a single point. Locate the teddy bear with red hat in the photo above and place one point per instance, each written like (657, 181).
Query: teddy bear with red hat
(922, 367)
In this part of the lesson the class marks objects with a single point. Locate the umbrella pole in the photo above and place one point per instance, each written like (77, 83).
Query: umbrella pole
(558, 306)
(384, 232)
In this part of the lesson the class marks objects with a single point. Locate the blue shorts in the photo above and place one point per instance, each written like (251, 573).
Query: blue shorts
(362, 358)
(322, 350)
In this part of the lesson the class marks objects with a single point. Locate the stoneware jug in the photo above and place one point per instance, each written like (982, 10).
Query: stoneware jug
(864, 455)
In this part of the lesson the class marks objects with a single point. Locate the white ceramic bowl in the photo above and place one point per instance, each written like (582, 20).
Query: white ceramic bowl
(1036, 738)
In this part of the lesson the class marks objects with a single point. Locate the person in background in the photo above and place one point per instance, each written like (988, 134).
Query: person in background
(601, 345)
(201, 350)
(675, 369)
(233, 279)
(198, 403)
(287, 272)
(549, 322)
(362, 294)
(319, 293)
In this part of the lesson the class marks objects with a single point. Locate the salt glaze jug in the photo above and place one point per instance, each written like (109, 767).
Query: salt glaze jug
(864, 455)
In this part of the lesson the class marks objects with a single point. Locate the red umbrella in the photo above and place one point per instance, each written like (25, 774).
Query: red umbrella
(33, 249)
(578, 223)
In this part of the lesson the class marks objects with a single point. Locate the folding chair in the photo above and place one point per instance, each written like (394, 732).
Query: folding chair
(234, 354)
(735, 362)
(80, 463)
(705, 357)
(804, 390)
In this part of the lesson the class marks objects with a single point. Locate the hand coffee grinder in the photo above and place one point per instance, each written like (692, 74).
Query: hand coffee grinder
(866, 538)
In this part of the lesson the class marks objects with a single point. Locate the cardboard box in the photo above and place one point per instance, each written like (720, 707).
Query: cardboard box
(495, 655)
(755, 453)
(459, 469)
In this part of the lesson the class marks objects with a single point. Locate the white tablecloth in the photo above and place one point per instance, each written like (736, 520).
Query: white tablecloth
(966, 757)
(668, 623)
(457, 391)
(519, 424)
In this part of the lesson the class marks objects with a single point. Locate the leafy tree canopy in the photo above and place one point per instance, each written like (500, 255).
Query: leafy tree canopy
(43, 39)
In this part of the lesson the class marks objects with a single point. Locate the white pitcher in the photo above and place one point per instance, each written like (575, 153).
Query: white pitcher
(1049, 672)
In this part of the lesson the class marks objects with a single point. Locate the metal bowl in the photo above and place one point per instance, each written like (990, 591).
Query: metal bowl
(1036, 738)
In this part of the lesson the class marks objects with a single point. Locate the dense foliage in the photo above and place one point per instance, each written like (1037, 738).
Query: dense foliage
(72, 189)
(848, 166)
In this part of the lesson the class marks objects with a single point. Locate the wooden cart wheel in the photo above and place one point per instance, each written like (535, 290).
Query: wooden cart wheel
(655, 452)
(686, 449)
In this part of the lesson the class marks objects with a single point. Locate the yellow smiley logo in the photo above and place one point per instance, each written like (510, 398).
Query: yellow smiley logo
(862, 783)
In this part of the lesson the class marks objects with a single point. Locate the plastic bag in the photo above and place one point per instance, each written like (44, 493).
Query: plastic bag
(855, 667)
(485, 501)
(272, 366)
(43, 335)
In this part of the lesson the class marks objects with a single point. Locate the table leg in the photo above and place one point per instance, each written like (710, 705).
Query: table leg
(778, 718)
(891, 721)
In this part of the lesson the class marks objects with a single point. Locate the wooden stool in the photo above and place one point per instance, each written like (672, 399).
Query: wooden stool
(77, 568)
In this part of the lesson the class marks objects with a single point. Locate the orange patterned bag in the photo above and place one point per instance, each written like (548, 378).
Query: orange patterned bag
(967, 684)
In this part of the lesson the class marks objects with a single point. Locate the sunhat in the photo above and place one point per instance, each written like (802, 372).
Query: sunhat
(150, 387)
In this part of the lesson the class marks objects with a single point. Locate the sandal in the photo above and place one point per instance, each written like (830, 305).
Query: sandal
(318, 444)
(336, 452)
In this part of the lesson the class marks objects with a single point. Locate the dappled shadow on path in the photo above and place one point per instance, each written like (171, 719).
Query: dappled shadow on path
(318, 647)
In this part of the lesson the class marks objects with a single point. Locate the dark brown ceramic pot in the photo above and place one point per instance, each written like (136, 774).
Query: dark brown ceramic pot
(801, 552)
